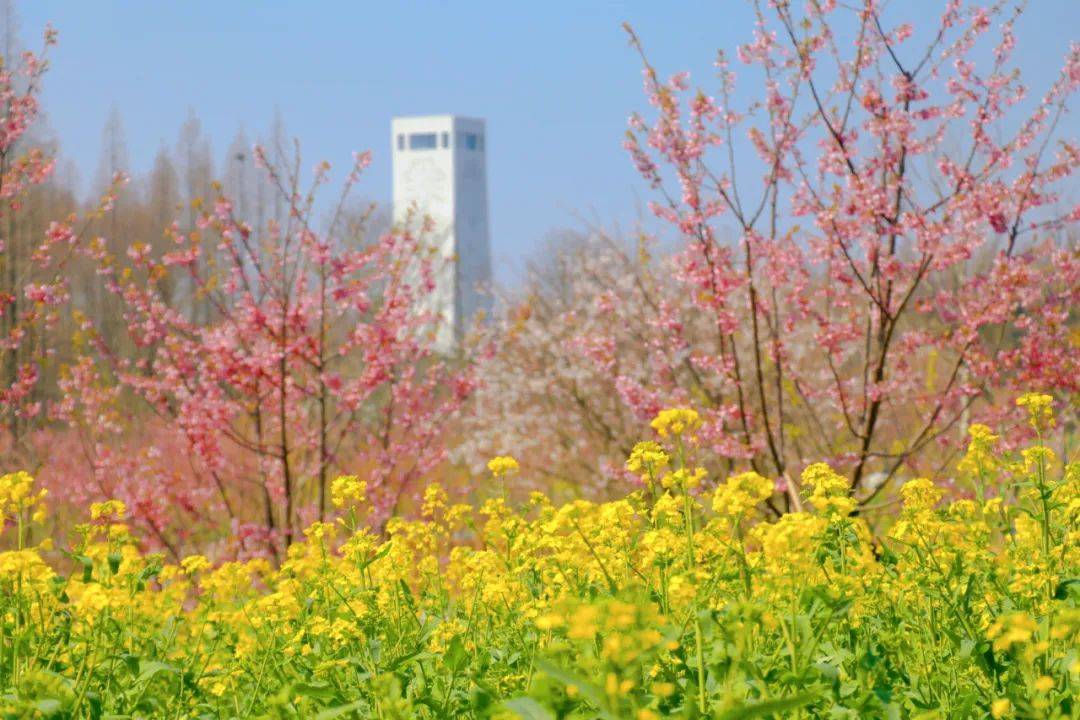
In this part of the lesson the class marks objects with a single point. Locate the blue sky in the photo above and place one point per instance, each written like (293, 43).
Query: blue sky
(556, 82)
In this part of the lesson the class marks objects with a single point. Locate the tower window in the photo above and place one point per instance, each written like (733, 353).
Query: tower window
(400, 142)
(467, 140)
(422, 141)
(446, 139)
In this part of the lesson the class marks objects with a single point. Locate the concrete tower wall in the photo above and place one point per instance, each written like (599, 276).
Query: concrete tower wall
(440, 171)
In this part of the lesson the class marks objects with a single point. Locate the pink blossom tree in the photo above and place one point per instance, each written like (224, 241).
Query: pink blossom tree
(901, 246)
(875, 252)
(32, 284)
(316, 361)
(588, 321)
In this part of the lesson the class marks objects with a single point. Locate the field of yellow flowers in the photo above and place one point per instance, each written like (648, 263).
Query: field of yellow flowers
(667, 603)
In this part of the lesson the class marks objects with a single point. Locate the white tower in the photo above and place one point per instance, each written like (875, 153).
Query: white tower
(440, 172)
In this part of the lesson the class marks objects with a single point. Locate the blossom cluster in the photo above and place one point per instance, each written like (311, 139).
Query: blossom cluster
(849, 282)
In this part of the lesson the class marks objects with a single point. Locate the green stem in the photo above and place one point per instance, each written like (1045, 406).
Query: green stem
(689, 513)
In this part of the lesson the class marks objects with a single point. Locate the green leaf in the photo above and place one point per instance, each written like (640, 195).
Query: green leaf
(1061, 592)
(407, 596)
(588, 690)
(887, 556)
(320, 690)
(48, 706)
(456, 656)
(131, 662)
(828, 669)
(528, 709)
(377, 556)
(480, 699)
(401, 660)
(340, 710)
(87, 567)
(149, 669)
(767, 707)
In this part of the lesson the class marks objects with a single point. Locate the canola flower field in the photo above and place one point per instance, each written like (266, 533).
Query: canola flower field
(671, 602)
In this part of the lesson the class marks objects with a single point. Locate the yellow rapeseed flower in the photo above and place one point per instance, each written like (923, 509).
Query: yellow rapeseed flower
(17, 496)
(435, 499)
(1040, 409)
(348, 490)
(920, 494)
(194, 564)
(609, 590)
(676, 422)
(980, 457)
(829, 490)
(741, 493)
(114, 510)
(1038, 457)
(503, 466)
(1015, 628)
(683, 478)
(647, 459)
(25, 566)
